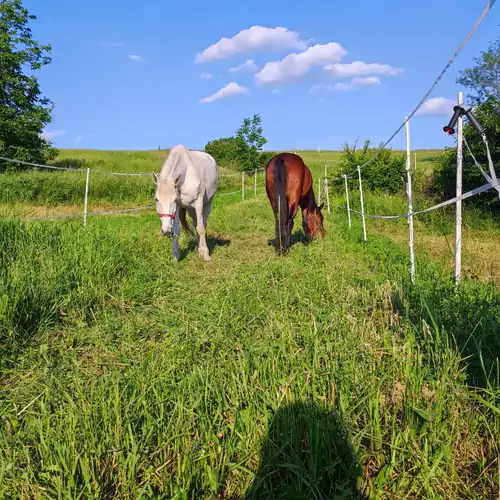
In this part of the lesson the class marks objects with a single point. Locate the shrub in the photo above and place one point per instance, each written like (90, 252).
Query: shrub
(264, 158)
(224, 151)
(385, 173)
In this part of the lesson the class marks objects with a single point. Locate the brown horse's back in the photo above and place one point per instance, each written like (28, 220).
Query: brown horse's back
(298, 180)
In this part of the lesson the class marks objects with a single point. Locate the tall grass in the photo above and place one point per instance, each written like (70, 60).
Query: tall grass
(56, 188)
(323, 374)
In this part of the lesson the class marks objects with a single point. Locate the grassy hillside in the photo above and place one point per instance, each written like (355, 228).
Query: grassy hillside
(251, 376)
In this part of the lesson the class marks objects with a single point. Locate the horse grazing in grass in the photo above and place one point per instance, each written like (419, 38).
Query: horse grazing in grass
(289, 185)
(188, 181)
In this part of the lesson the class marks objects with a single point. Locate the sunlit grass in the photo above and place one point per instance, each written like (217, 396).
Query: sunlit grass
(250, 376)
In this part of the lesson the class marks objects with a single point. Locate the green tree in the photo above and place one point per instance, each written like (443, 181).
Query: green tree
(483, 80)
(250, 142)
(24, 112)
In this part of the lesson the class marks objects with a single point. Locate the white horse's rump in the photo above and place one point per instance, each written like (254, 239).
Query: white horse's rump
(187, 180)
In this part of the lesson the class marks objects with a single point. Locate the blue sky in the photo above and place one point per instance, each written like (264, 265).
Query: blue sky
(134, 75)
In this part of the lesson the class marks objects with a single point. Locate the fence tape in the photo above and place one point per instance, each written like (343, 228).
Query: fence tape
(105, 172)
(72, 216)
(464, 196)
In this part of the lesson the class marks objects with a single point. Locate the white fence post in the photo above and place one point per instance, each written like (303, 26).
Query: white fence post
(242, 186)
(347, 201)
(410, 201)
(86, 199)
(362, 204)
(255, 183)
(327, 194)
(458, 228)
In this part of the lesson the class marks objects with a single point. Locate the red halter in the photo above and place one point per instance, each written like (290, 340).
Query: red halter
(171, 216)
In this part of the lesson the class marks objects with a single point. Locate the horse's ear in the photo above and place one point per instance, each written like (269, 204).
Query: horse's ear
(321, 206)
(155, 178)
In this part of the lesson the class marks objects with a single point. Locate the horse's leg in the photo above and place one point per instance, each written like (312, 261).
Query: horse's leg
(206, 212)
(292, 212)
(200, 227)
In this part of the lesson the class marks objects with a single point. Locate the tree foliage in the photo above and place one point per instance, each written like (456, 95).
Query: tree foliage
(250, 142)
(24, 112)
(385, 173)
(484, 81)
(224, 151)
(244, 150)
(484, 78)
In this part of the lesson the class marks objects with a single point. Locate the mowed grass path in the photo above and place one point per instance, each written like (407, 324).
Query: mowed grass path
(319, 375)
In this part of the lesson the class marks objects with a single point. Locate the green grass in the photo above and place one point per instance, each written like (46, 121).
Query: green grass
(124, 375)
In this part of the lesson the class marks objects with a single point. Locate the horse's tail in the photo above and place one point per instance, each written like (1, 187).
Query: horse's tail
(183, 220)
(280, 204)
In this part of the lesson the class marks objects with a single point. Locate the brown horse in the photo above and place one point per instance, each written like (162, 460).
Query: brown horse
(289, 185)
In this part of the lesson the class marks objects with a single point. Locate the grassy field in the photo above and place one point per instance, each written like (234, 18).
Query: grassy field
(324, 374)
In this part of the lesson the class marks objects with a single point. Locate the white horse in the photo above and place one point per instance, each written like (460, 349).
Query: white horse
(187, 180)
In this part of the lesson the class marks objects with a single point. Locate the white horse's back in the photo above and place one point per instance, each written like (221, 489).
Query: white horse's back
(207, 168)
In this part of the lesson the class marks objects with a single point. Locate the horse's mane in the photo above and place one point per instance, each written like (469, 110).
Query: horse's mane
(176, 154)
(312, 205)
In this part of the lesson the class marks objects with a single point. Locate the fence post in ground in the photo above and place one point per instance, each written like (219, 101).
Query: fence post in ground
(86, 198)
(410, 201)
(327, 194)
(458, 228)
(362, 204)
(255, 183)
(242, 186)
(347, 201)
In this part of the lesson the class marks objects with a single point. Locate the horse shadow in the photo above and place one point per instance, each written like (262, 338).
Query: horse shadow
(297, 237)
(306, 454)
(212, 244)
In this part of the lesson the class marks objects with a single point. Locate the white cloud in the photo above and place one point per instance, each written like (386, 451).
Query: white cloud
(249, 65)
(50, 135)
(438, 106)
(358, 68)
(358, 82)
(296, 65)
(321, 88)
(206, 76)
(112, 44)
(253, 39)
(231, 89)
(135, 58)
(79, 139)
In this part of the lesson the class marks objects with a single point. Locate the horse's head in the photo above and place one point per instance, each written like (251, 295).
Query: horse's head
(167, 194)
(312, 222)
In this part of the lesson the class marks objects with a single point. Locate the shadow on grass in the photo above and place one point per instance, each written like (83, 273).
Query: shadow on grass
(306, 455)
(297, 237)
(212, 243)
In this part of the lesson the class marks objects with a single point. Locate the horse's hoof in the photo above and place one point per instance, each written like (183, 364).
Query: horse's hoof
(204, 254)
